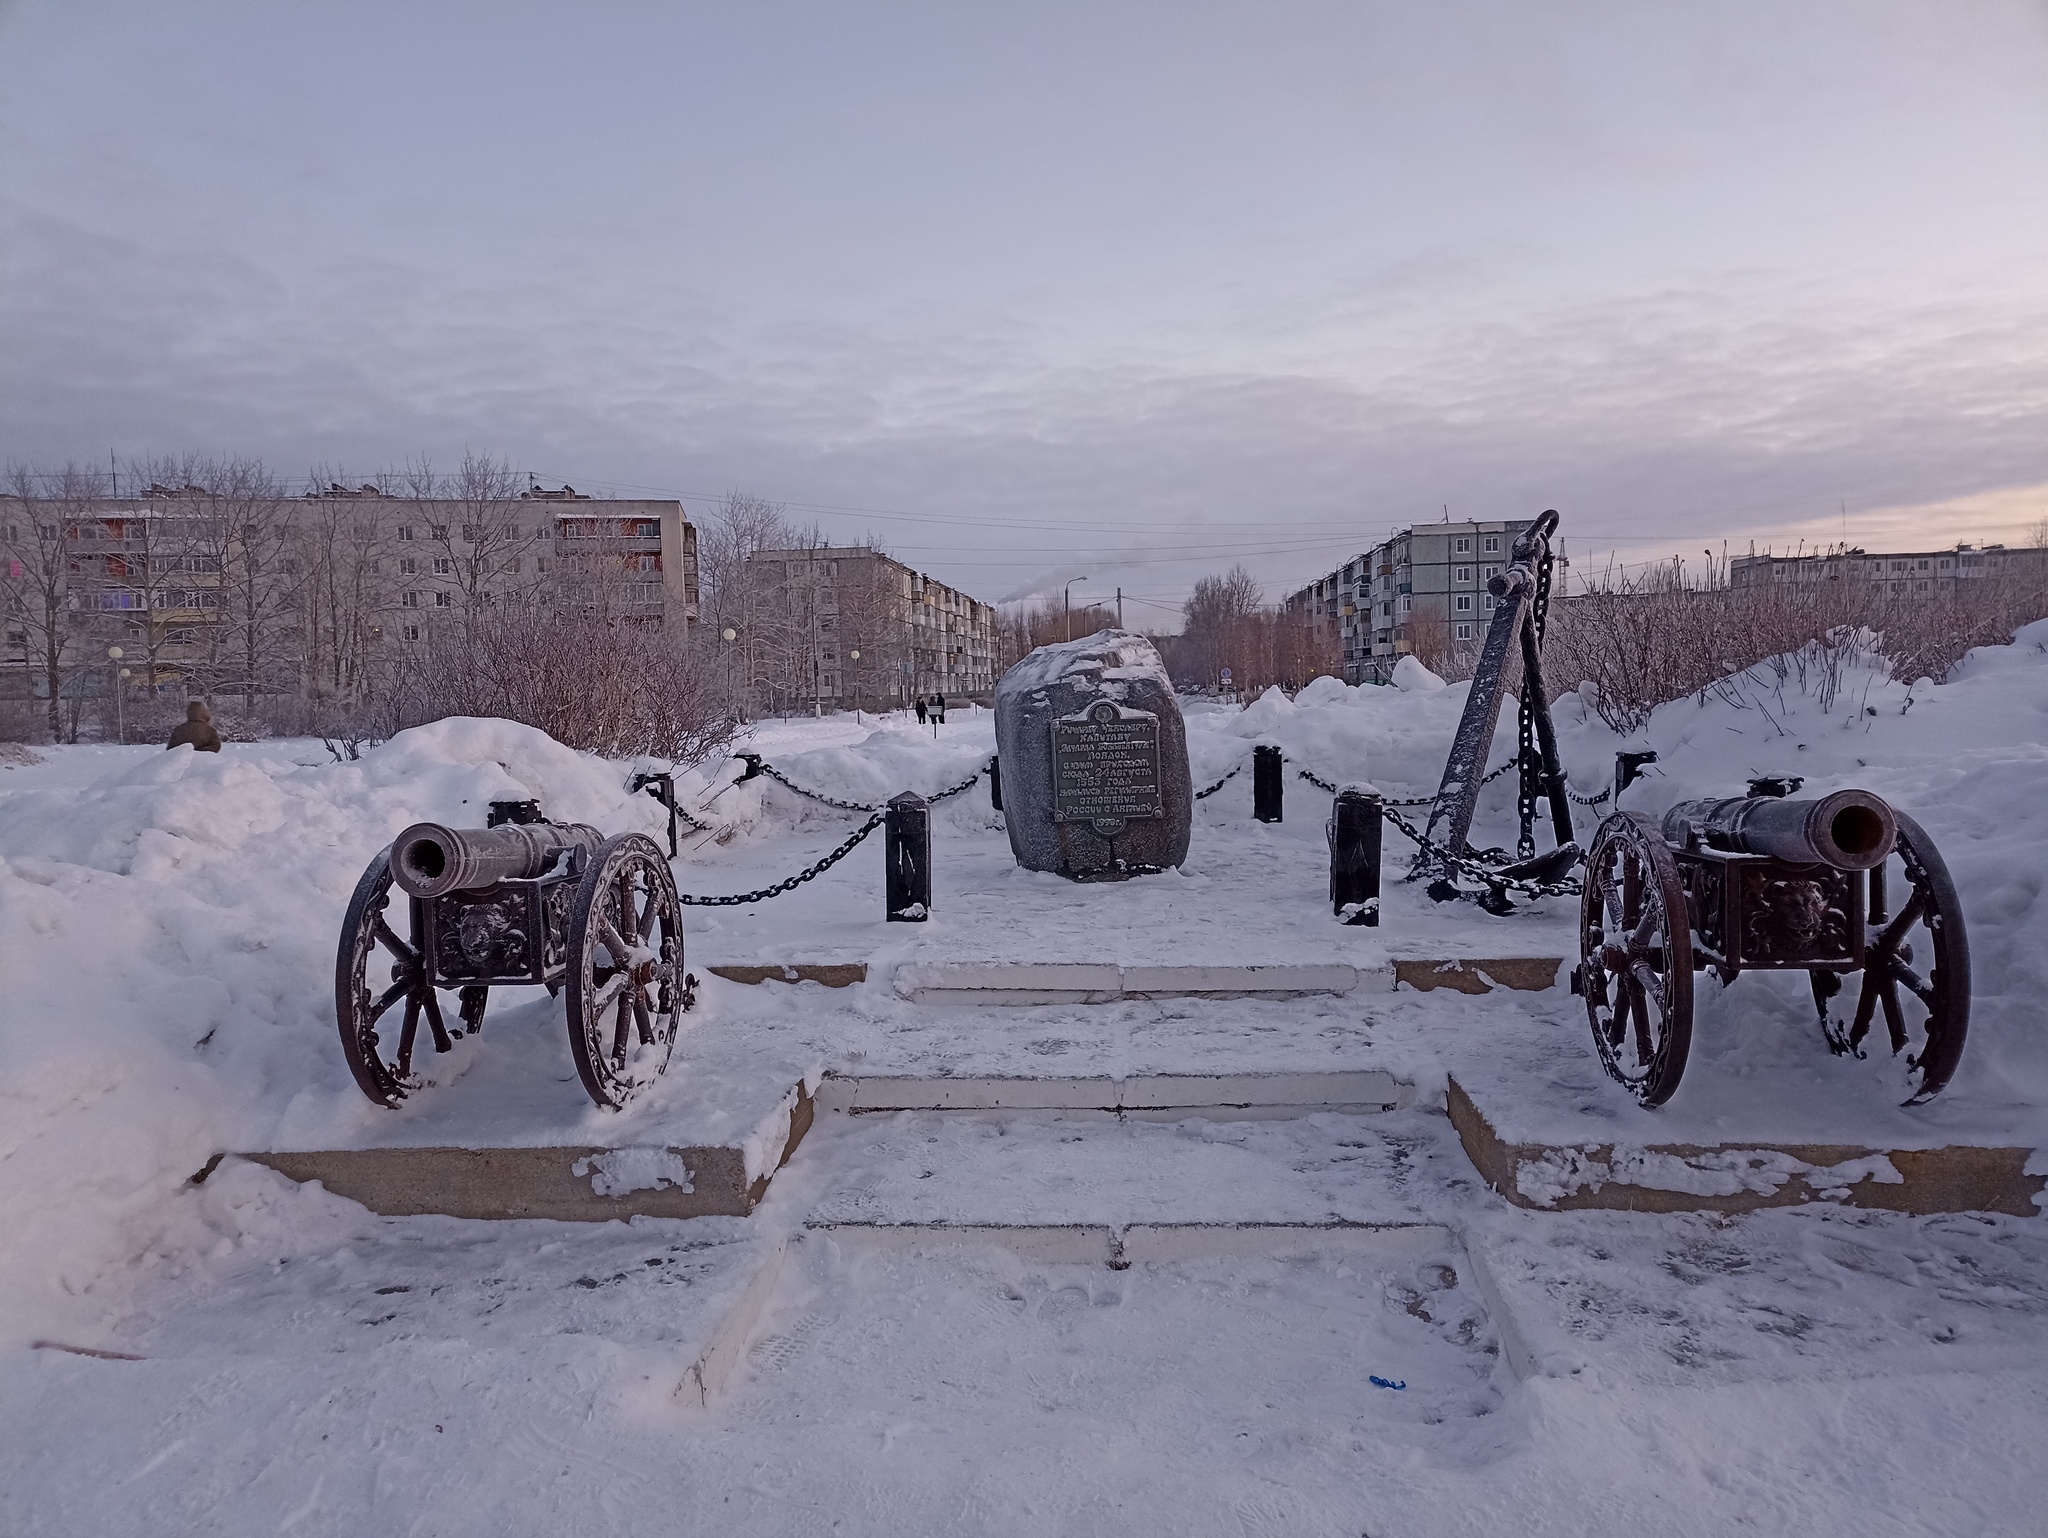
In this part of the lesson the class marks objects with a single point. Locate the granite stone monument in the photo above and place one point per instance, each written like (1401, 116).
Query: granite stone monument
(1095, 759)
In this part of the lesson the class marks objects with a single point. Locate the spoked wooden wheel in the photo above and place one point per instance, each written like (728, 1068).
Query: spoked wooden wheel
(374, 972)
(1916, 965)
(625, 969)
(1635, 968)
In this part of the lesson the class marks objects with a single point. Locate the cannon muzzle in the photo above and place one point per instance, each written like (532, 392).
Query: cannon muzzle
(1850, 830)
(428, 859)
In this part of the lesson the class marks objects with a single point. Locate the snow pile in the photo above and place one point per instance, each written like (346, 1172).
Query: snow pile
(168, 935)
(1392, 737)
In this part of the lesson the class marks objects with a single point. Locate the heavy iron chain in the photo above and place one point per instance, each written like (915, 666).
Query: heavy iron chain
(1219, 784)
(766, 892)
(857, 806)
(779, 777)
(1478, 869)
(1322, 784)
(1530, 790)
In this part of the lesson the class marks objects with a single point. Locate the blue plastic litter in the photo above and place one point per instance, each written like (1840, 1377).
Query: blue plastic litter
(1378, 1382)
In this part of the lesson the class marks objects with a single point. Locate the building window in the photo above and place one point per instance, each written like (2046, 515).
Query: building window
(443, 600)
(512, 566)
(1464, 603)
(1492, 544)
(469, 532)
(1489, 571)
(407, 566)
(1406, 603)
(411, 632)
(408, 600)
(1486, 603)
(1464, 574)
(1461, 547)
(405, 532)
(443, 566)
(1464, 633)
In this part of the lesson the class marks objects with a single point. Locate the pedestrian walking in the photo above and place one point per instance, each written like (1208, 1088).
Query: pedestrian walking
(920, 710)
(939, 704)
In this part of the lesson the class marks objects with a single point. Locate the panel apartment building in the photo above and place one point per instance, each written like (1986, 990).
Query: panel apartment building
(1426, 584)
(1901, 574)
(835, 628)
(163, 575)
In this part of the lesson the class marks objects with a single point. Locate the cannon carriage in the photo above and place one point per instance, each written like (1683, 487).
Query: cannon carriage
(520, 902)
(1829, 885)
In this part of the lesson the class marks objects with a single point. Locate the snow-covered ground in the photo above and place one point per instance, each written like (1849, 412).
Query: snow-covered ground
(167, 925)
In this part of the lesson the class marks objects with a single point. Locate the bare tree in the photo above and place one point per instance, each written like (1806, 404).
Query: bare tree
(736, 587)
(41, 511)
(342, 548)
(1220, 629)
(484, 543)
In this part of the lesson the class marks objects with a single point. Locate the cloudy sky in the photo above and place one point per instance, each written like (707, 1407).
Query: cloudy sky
(1121, 289)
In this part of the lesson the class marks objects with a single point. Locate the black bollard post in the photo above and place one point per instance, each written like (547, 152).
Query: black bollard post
(995, 784)
(907, 859)
(1266, 783)
(1628, 768)
(1354, 831)
(663, 788)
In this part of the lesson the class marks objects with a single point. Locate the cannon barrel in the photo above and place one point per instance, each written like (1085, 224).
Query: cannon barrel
(1850, 830)
(429, 859)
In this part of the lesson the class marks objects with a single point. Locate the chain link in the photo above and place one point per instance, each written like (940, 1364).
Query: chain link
(1219, 784)
(766, 892)
(780, 778)
(954, 790)
(1479, 869)
(1322, 784)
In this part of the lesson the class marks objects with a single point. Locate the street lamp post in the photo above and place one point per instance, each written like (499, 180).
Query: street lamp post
(729, 635)
(854, 656)
(1068, 602)
(119, 672)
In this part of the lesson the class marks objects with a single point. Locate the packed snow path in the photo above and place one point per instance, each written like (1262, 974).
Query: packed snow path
(308, 1369)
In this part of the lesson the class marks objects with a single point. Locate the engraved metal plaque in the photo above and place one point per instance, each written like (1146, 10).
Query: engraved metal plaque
(1105, 766)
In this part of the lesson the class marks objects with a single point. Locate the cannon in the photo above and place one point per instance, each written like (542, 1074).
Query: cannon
(519, 902)
(1830, 885)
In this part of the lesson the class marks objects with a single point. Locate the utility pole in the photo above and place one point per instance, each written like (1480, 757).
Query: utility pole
(1119, 608)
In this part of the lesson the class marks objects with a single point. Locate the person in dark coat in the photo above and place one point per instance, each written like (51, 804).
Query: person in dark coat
(197, 730)
(920, 710)
(939, 705)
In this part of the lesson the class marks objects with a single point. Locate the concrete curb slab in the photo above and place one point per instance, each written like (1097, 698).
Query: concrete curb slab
(576, 1185)
(1678, 1177)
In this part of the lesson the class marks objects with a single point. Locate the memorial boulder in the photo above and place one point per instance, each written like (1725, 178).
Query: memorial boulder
(1094, 759)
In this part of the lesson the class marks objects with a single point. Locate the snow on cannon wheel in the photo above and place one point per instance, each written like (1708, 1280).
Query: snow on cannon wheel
(1771, 882)
(514, 904)
(1635, 968)
(626, 984)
